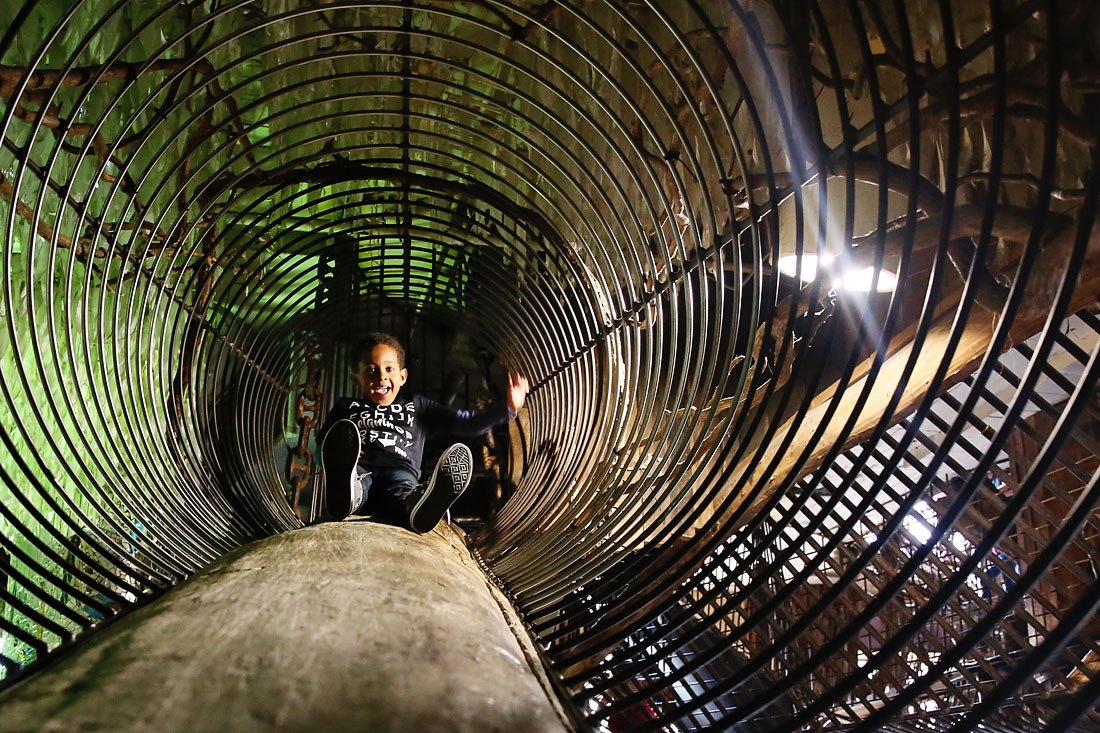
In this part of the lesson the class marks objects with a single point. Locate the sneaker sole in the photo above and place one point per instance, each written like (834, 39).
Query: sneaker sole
(449, 479)
(339, 459)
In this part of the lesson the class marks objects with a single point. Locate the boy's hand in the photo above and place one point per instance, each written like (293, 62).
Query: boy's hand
(517, 391)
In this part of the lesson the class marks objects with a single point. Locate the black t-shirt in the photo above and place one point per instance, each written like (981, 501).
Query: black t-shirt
(394, 435)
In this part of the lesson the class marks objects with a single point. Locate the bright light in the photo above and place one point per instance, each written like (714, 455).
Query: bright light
(860, 280)
(854, 280)
(788, 265)
(920, 532)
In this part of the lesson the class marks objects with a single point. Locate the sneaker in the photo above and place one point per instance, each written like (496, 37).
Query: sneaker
(449, 479)
(340, 461)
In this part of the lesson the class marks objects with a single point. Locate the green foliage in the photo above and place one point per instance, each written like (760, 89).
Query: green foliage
(137, 275)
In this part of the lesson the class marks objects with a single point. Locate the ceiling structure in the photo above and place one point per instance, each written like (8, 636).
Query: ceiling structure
(778, 271)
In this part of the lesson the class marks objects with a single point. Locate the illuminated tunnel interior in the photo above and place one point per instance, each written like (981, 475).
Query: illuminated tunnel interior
(806, 291)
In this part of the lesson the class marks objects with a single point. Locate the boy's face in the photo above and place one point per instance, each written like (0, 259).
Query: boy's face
(380, 376)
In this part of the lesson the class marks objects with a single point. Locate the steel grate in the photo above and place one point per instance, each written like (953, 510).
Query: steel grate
(758, 486)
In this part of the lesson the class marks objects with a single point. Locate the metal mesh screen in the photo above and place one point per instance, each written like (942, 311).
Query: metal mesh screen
(807, 292)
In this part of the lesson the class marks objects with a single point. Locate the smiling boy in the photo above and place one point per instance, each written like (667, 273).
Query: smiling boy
(372, 446)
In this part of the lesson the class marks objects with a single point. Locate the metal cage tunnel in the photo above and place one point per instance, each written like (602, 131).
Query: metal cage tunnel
(807, 292)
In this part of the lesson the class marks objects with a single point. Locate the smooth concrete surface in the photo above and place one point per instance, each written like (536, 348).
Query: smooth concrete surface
(352, 626)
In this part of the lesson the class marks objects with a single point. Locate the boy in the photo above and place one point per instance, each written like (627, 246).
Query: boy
(371, 446)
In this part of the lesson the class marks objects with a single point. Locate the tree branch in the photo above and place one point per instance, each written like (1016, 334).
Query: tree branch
(1071, 195)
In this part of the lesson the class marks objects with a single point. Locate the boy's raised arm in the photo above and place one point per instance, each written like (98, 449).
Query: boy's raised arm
(518, 387)
(474, 422)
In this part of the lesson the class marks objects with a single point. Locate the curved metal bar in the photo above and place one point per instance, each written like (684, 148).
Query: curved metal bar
(738, 497)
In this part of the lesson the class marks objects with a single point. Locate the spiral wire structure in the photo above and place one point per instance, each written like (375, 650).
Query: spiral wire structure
(806, 293)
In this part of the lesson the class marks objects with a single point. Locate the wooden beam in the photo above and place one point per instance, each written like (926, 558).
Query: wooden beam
(972, 346)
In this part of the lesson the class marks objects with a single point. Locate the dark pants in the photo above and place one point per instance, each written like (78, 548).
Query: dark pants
(384, 494)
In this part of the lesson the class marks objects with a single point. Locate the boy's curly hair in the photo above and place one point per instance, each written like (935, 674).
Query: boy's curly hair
(378, 338)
